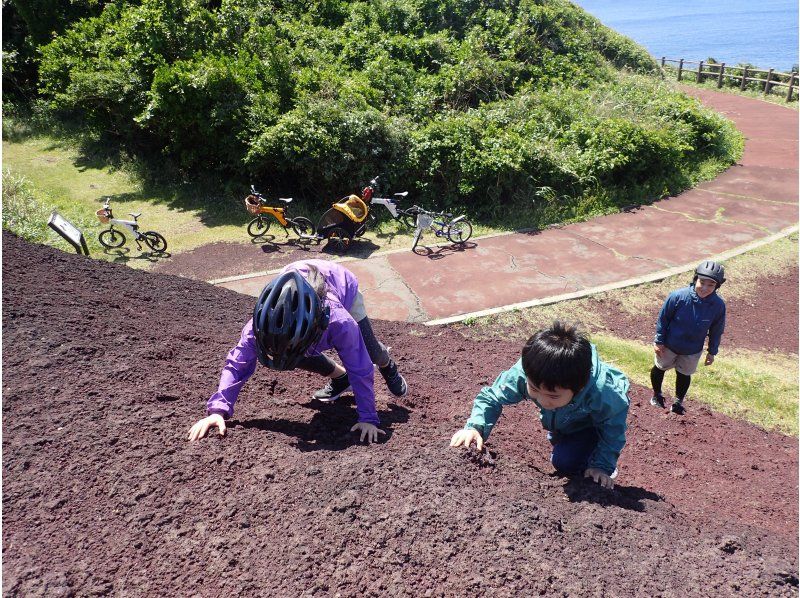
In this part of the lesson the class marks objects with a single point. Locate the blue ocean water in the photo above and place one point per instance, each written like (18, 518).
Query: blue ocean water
(763, 33)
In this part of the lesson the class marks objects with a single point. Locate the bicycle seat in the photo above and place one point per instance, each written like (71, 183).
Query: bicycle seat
(135, 216)
(403, 194)
(286, 199)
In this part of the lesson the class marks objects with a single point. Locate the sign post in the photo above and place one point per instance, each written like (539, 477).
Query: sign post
(69, 232)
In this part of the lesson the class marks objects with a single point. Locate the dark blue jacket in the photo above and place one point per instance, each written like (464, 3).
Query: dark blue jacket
(686, 320)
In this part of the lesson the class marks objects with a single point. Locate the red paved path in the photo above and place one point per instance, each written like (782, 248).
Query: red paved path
(751, 201)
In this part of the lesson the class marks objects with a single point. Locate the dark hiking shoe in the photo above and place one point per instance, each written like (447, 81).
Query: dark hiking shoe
(677, 407)
(333, 389)
(394, 380)
(657, 400)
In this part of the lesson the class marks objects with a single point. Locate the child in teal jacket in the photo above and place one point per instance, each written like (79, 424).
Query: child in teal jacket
(582, 402)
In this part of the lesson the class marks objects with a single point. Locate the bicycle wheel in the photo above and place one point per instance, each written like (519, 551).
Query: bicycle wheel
(459, 232)
(417, 237)
(339, 240)
(258, 227)
(155, 241)
(302, 226)
(112, 238)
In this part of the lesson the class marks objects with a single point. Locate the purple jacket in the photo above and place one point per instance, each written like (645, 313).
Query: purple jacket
(342, 334)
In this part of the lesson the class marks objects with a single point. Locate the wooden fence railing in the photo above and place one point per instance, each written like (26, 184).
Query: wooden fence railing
(741, 74)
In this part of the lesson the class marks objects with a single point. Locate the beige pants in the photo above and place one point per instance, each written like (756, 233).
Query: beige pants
(685, 364)
(357, 310)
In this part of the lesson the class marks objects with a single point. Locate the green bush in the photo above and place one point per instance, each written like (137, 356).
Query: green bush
(324, 141)
(228, 92)
(472, 104)
(23, 213)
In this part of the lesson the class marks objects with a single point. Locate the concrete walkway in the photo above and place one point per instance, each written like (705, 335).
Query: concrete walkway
(752, 203)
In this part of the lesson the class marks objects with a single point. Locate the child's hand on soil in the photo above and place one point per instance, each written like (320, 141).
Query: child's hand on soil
(709, 359)
(201, 428)
(369, 431)
(599, 476)
(466, 437)
(659, 349)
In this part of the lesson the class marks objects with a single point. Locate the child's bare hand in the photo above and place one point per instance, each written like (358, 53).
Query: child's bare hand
(369, 431)
(599, 476)
(659, 350)
(709, 359)
(201, 428)
(466, 437)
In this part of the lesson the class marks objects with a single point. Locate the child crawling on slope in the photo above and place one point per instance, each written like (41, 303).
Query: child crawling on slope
(582, 401)
(310, 307)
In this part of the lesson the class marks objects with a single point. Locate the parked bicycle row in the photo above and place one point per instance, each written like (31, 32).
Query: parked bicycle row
(346, 220)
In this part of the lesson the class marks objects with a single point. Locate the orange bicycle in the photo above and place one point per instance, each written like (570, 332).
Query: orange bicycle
(258, 226)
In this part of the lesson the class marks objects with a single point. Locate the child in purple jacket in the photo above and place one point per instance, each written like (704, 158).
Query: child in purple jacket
(310, 307)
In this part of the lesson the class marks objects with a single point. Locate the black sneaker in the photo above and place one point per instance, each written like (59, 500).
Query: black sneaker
(394, 380)
(677, 407)
(657, 400)
(335, 388)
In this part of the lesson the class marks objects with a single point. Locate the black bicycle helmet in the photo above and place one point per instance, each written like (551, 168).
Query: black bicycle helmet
(712, 270)
(288, 318)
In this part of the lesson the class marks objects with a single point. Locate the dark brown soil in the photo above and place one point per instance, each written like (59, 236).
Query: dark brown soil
(105, 369)
(221, 260)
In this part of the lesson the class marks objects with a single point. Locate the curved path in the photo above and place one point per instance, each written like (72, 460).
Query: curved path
(751, 203)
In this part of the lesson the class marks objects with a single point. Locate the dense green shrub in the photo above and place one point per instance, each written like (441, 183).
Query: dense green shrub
(230, 95)
(470, 103)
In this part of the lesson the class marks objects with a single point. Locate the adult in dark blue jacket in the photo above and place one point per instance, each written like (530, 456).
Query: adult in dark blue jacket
(687, 318)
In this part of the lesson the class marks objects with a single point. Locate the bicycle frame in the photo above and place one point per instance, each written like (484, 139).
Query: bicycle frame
(131, 225)
(388, 203)
(278, 213)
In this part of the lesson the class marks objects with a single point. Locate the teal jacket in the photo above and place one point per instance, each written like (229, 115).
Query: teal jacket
(602, 404)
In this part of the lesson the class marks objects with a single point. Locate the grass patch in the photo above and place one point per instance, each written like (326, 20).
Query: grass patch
(743, 274)
(757, 387)
(77, 188)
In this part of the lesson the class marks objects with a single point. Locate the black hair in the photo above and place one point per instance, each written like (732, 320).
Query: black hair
(558, 356)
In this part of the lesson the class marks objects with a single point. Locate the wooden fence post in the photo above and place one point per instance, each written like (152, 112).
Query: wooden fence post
(766, 83)
(680, 69)
(721, 74)
(663, 60)
(791, 83)
(700, 72)
(744, 79)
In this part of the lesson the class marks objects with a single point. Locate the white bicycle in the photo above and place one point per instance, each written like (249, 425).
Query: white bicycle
(111, 238)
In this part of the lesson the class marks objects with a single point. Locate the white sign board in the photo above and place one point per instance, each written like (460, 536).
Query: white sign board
(69, 231)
